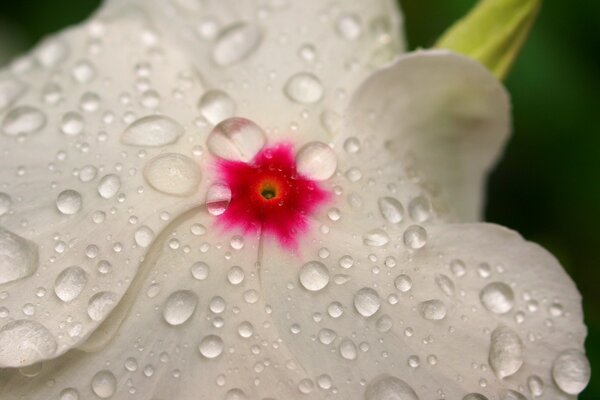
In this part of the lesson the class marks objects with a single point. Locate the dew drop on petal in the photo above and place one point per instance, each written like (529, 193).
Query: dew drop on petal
(152, 131)
(349, 26)
(571, 371)
(535, 385)
(70, 283)
(497, 297)
(179, 307)
(200, 270)
(391, 209)
(415, 237)
(506, 352)
(109, 186)
(314, 276)
(367, 302)
(69, 394)
(316, 161)
(348, 349)
(69, 202)
(218, 197)
(5, 203)
(101, 304)
(24, 342)
(173, 174)
(104, 384)
(18, 257)
(511, 395)
(419, 209)
(144, 236)
(216, 106)
(304, 88)
(387, 387)
(376, 238)
(474, 396)
(211, 346)
(23, 120)
(403, 282)
(10, 90)
(51, 52)
(236, 139)
(72, 124)
(235, 43)
(433, 310)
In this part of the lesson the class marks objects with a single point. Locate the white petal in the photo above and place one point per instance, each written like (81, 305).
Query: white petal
(442, 118)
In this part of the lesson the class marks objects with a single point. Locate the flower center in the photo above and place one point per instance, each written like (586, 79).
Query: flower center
(268, 191)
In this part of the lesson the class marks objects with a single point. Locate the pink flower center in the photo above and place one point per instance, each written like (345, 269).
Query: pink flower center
(269, 197)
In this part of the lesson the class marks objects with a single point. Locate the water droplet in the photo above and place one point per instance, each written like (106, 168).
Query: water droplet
(216, 106)
(535, 385)
(10, 90)
(211, 346)
(316, 161)
(497, 297)
(376, 238)
(152, 131)
(571, 371)
(173, 174)
(236, 139)
(109, 186)
(511, 395)
(144, 236)
(69, 202)
(179, 307)
(101, 304)
(104, 384)
(235, 43)
(391, 209)
(51, 52)
(387, 387)
(348, 349)
(403, 282)
(18, 257)
(434, 310)
(200, 270)
(314, 276)
(23, 120)
(506, 352)
(445, 284)
(24, 342)
(474, 396)
(419, 209)
(69, 394)
(367, 302)
(304, 88)
(70, 283)
(5, 203)
(415, 237)
(349, 26)
(83, 71)
(72, 124)
(218, 197)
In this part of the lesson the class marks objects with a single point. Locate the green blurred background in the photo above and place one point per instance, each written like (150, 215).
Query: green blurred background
(547, 186)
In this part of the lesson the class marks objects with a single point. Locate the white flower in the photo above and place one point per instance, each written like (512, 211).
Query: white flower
(118, 281)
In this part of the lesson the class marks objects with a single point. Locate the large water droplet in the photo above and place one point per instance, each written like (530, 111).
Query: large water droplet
(314, 276)
(218, 197)
(387, 387)
(236, 139)
(152, 131)
(506, 352)
(391, 209)
(18, 257)
(69, 283)
(434, 310)
(211, 346)
(69, 202)
(497, 297)
(415, 237)
(571, 371)
(23, 342)
(23, 120)
(144, 236)
(367, 302)
(104, 384)
(235, 43)
(316, 161)
(109, 186)
(173, 174)
(179, 307)
(216, 106)
(304, 88)
(101, 304)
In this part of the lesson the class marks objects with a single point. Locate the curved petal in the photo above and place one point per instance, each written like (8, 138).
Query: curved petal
(442, 118)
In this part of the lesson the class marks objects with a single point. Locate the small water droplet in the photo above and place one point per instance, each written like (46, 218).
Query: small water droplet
(415, 237)
(69, 394)
(304, 88)
(104, 384)
(391, 209)
(535, 385)
(200, 270)
(101, 304)
(316, 161)
(144, 236)
(403, 282)
(387, 387)
(433, 310)
(109, 186)
(211, 346)
(179, 307)
(235, 43)
(348, 349)
(70, 283)
(349, 26)
(23, 120)
(314, 276)
(5, 203)
(367, 302)
(218, 197)
(497, 297)
(376, 238)
(72, 124)
(152, 131)
(69, 202)
(173, 174)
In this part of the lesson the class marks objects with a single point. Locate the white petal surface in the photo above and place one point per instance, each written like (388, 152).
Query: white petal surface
(443, 118)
